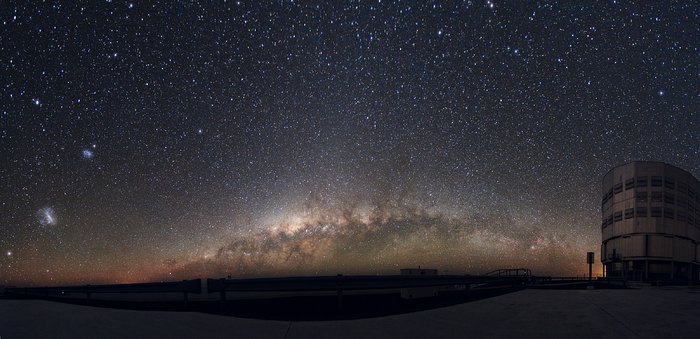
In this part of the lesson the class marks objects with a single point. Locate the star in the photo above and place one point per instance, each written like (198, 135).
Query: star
(388, 129)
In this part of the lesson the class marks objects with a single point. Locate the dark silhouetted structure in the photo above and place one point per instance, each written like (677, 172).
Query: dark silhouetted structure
(419, 292)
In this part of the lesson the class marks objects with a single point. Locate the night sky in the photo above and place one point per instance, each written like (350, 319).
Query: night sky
(143, 141)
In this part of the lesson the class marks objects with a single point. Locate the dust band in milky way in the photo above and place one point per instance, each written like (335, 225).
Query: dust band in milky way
(379, 239)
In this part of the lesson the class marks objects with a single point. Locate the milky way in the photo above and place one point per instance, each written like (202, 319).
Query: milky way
(182, 140)
(381, 239)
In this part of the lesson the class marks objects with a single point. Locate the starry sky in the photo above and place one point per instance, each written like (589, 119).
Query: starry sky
(146, 141)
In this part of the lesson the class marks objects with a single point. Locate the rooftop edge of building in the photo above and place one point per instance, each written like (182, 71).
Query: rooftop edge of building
(649, 162)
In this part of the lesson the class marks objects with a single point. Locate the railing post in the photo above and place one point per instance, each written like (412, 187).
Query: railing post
(222, 301)
(339, 282)
(222, 294)
(88, 295)
(340, 301)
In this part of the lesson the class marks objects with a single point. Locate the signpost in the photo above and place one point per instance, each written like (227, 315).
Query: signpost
(590, 258)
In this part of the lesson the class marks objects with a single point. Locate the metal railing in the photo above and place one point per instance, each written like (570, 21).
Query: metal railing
(510, 272)
(185, 287)
(339, 284)
(342, 283)
(351, 282)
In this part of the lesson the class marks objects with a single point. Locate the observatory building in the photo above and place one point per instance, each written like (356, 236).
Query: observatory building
(651, 222)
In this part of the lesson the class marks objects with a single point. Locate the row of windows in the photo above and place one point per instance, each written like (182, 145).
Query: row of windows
(655, 181)
(669, 198)
(654, 212)
(666, 197)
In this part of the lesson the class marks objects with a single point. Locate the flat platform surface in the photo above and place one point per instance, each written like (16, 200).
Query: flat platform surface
(641, 313)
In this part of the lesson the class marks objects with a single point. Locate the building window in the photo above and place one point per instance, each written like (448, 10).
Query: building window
(641, 212)
(642, 181)
(681, 216)
(656, 181)
(609, 220)
(629, 184)
(669, 213)
(656, 212)
(617, 188)
(691, 220)
(629, 213)
(683, 188)
(670, 184)
(641, 197)
(669, 198)
(607, 196)
(617, 216)
(656, 197)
